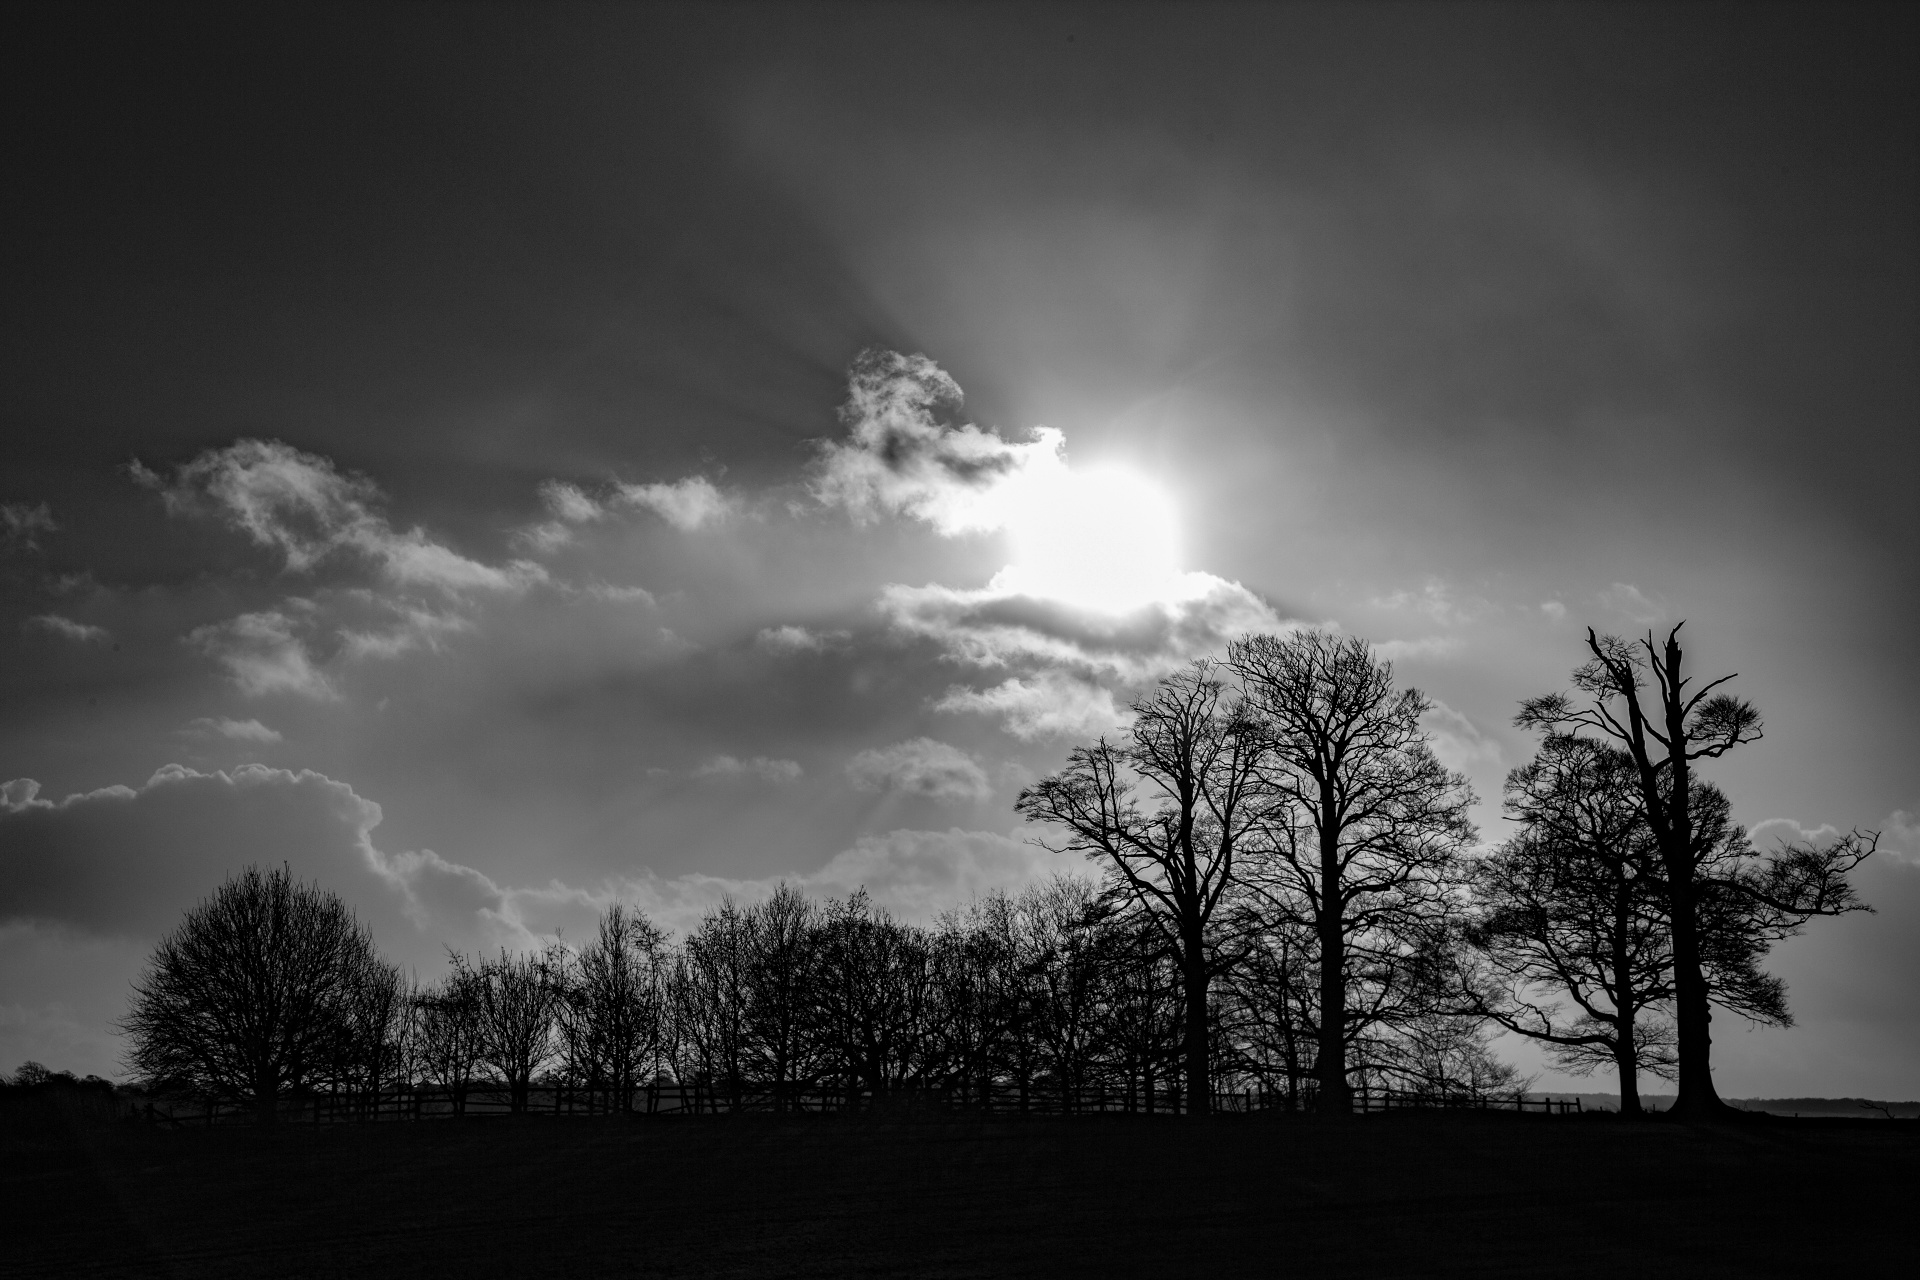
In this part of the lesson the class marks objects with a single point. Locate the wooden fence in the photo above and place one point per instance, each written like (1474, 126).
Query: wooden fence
(688, 1099)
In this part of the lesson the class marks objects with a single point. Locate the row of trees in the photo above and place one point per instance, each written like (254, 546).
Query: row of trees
(1288, 897)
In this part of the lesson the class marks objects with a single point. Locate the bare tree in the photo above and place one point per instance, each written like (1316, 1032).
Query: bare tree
(1639, 696)
(879, 999)
(448, 1031)
(1366, 847)
(248, 997)
(1191, 756)
(710, 999)
(1575, 904)
(781, 937)
(519, 997)
(611, 1006)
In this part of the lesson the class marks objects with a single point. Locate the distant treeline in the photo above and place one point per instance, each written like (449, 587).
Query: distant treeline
(1288, 899)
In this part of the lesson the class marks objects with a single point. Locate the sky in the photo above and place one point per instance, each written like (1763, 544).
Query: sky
(499, 460)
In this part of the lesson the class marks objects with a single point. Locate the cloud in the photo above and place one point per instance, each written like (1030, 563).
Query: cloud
(302, 506)
(1634, 604)
(1900, 836)
(408, 627)
(792, 639)
(992, 627)
(913, 874)
(1425, 649)
(900, 459)
(761, 767)
(1554, 609)
(1050, 704)
(234, 730)
(920, 766)
(1459, 743)
(129, 861)
(1776, 831)
(67, 629)
(263, 654)
(686, 504)
(21, 525)
(1434, 599)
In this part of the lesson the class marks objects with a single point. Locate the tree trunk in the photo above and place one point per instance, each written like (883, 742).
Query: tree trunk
(1626, 1057)
(1199, 1081)
(1693, 1013)
(1330, 1063)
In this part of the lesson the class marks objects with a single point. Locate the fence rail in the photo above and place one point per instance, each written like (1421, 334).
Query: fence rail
(677, 1099)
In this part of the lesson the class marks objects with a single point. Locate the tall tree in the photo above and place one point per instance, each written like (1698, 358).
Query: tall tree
(1575, 904)
(1367, 841)
(519, 1000)
(1639, 696)
(1168, 809)
(611, 1005)
(250, 996)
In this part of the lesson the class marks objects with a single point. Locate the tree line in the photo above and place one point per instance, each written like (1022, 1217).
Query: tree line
(1287, 894)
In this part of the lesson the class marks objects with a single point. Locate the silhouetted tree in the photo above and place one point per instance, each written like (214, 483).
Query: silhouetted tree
(1638, 696)
(448, 1031)
(518, 1004)
(878, 999)
(612, 1005)
(1191, 756)
(783, 1048)
(1366, 847)
(250, 996)
(1575, 904)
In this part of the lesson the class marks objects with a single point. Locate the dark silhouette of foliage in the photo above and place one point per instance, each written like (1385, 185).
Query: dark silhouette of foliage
(255, 995)
(1722, 907)
(1167, 810)
(1365, 842)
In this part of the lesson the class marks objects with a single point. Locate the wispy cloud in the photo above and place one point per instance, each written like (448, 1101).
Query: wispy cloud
(306, 509)
(1049, 704)
(765, 768)
(235, 730)
(793, 639)
(67, 628)
(920, 766)
(264, 654)
(687, 504)
(1635, 605)
(21, 525)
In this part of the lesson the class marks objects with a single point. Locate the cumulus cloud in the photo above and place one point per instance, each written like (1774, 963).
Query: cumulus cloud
(686, 504)
(306, 509)
(920, 766)
(233, 730)
(762, 767)
(128, 861)
(1050, 704)
(1554, 609)
(899, 458)
(21, 525)
(263, 653)
(67, 629)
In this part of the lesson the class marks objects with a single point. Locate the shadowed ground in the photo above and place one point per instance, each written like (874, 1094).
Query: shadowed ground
(1406, 1194)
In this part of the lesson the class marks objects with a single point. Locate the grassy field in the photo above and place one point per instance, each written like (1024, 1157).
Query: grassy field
(1400, 1194)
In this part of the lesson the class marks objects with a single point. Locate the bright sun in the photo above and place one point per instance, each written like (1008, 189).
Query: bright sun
(1104, 538)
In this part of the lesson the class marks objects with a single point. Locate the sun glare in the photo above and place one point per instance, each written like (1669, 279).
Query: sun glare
(1104, 538)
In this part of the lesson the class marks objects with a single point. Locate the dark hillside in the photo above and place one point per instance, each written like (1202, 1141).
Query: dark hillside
(1429, 1194)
